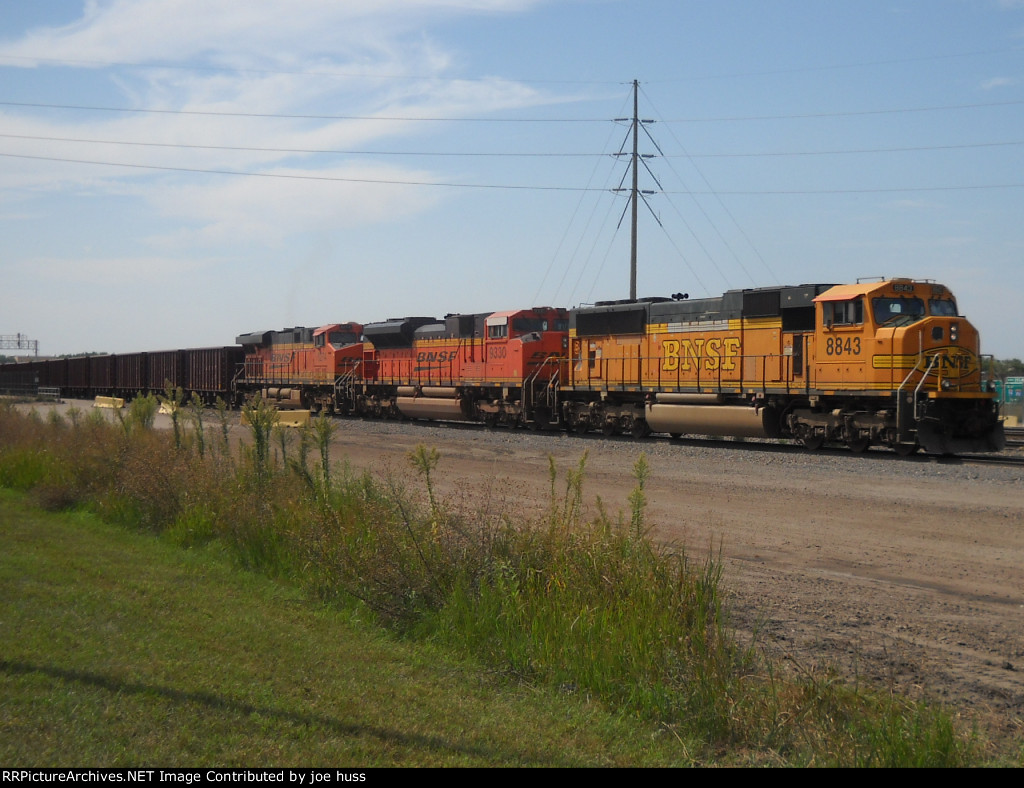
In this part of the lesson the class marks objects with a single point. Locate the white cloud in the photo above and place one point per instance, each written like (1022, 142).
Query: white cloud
(267, 210)
(998, 82)
(315, 58)
(173, 30)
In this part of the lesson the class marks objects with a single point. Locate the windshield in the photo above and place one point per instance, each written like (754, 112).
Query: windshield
(945, 307)
(341, 338)
(897, 311)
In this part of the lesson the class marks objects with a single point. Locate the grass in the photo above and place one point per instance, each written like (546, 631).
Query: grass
(586, 611)
(120, 649)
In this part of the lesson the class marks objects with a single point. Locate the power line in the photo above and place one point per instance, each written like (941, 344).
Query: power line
(295, 150)
(434, 78)
(414, 118)
(847, 113)
(518, 187)
(364, 75)
(851, 151)
(514, 154)
(282, 116)
(295, 176)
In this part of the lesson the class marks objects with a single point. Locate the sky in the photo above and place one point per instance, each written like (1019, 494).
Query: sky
(175, 173)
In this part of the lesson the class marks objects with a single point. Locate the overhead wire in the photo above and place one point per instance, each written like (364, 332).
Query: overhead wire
(565, 234)
(724, 208)
(516, 187)
(463, 119)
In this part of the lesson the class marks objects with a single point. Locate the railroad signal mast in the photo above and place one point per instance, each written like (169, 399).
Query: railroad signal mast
(636, 194)
(19, 342)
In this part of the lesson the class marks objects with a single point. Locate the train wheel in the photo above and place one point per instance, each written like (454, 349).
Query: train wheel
(813, 442)
(640, 429)
(858, 445)
(609, 428)
(905, 449)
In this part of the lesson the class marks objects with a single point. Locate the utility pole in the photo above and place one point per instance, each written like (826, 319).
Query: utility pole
(635, 193)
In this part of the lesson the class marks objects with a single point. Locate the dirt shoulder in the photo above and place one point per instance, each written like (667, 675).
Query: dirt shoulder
(906, 572)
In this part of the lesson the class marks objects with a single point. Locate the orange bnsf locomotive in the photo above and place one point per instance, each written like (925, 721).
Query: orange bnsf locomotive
(888, 363)
(299, 367)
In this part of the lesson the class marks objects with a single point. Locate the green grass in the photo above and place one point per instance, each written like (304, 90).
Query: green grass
(120, 649)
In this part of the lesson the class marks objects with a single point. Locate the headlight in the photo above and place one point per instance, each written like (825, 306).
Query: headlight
(953, 329)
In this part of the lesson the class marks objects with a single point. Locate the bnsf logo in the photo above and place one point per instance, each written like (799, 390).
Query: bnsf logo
(713, 353)
(950, 362)
(436, 356)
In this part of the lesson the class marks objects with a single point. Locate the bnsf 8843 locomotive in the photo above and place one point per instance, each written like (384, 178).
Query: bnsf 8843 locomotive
(889, 363)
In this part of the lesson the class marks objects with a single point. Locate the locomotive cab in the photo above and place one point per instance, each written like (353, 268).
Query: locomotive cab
(299, 367)
(906, 366)
(525, 344)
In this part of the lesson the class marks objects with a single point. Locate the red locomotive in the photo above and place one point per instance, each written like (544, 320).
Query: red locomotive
(498, 367)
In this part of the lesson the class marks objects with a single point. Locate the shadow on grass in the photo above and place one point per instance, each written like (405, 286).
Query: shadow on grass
(219, 703)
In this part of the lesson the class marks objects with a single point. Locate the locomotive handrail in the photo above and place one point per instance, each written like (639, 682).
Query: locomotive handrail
(550, 387)
(899, 392)
(924, 376)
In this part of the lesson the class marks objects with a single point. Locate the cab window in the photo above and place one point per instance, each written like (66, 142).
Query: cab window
(342, 338)
(844, 313)
(497, 332)
(897, 311)
(526, 325)
(942, 307)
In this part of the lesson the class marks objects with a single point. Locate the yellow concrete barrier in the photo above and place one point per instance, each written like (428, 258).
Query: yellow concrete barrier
(285, 418)
(108, 402)
(292, 418)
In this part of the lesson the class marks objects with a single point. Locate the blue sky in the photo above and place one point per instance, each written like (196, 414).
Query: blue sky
(174, 173)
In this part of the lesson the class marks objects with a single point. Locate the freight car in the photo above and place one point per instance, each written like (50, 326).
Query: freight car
(207, 372)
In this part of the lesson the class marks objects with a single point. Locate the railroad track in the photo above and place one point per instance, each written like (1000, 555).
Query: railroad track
(1006, 460)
